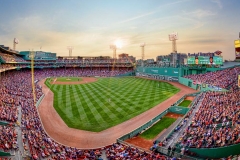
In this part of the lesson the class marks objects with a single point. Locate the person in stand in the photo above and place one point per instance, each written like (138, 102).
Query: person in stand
(211, 60)
(169, 150)
(196, 60)
(173, 151)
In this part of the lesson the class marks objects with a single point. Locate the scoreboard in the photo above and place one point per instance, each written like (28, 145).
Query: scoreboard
(39, 55)
(217, 60)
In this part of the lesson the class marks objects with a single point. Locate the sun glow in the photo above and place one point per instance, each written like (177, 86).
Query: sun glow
(118, 43)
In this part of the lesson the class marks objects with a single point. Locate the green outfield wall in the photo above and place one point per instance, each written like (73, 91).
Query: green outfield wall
(127, 74)
(219, 152)
(168, 74)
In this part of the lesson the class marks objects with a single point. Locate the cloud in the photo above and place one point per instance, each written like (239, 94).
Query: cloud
(199, 13)
(197, 17)
(137, 17)
(150, 13)
(218, 2)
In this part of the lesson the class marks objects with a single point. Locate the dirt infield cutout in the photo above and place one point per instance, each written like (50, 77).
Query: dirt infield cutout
(83, 81)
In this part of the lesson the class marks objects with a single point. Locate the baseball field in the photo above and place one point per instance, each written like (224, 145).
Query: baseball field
(106, 102)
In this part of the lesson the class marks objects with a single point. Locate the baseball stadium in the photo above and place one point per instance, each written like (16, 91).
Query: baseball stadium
(76, 107)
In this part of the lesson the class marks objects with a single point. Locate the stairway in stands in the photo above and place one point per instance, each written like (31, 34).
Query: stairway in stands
(175, 135)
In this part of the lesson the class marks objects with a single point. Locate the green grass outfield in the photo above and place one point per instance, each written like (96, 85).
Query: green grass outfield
(157, 128)
(185, 103)
(68, 79)
(107, 102)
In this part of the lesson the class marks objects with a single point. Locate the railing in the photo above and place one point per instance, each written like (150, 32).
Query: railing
(175, 154)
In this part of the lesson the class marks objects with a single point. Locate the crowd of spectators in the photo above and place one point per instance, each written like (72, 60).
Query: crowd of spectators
(8, 138)
(81, 72)
(74, 71)
(223, 78)
(16, 91)
(4, 67)
(216, 123)
(76, 61)
(11, 58)
(120, 151)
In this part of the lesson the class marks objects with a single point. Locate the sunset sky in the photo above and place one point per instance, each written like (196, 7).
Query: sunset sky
(90, 26)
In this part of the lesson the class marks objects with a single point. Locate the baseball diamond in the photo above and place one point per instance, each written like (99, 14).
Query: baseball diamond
(107, 102)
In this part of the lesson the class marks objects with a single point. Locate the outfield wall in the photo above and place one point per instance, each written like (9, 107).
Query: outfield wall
(169, 74)
(127, 74)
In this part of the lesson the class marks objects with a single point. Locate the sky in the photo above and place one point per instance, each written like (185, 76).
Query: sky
(91, 26)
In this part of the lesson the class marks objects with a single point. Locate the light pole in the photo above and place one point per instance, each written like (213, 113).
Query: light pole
(114, 48)
(142, 46)
(70, 48)
(173, 37)
(15, 42)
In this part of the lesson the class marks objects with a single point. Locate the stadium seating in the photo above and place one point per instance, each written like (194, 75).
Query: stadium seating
(222, 78)
(16, 91)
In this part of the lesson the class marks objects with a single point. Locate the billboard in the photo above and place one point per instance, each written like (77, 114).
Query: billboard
(237, 43)
(237, 49)
(217, 60)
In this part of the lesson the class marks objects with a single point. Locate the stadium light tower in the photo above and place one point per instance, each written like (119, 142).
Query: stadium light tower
(114, 48)
(142, 46)
(70, 48)
(173, 37)
(15, 42)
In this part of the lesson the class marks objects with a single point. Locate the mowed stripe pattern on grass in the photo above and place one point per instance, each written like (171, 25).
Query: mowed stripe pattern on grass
(108, 102)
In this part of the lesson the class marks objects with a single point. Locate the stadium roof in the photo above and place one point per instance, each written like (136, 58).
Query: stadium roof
(230, 64)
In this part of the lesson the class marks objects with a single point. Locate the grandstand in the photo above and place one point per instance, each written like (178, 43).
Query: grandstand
(209, 127)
